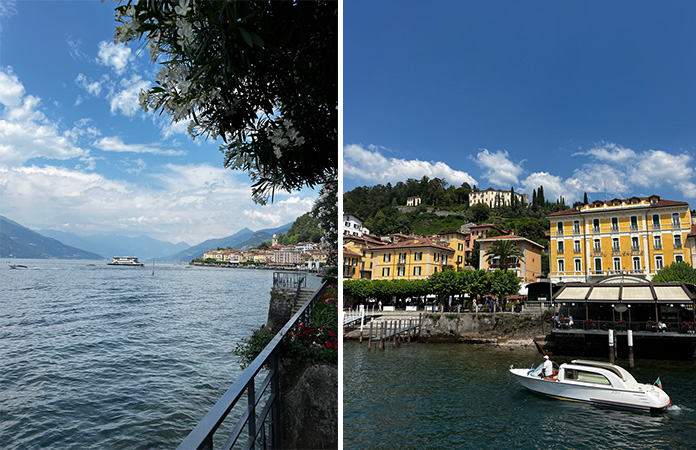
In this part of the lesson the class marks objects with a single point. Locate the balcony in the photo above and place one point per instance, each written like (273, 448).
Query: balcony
(614, 228)
(401, 261)
(596, 230)
(634, 227)
(677, 246)
(577, 250)
(559, 232)
(657, 246)
(656, 226)
(676, 225)
(560, 251)
(576, 231)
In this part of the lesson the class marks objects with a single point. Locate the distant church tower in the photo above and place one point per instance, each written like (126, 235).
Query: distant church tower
(275, 240)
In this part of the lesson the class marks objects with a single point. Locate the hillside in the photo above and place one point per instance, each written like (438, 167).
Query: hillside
(17, 241)
(241, 240)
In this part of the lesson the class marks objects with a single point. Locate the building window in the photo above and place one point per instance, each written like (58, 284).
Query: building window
(560, 247)
(417, 271)
(597, 245)
(677, 241)
(634, 244)
(617, 265)
(659, 263)
(598, 265)
(636, 263)
(402, 258)
(444, 260)
(634, 223)
(385, 271)
(387, 257)
(436, 257)
(614, 224)
(675, 220)
(578, 265)
(561, 265)
(615, 245)
(559, 228)
(418, 256)
(459, 259)
(657, 242)
(401, 271)
(576, 227)
(678, 258)
(460, 247)
(595, 226)
(576, 246)
(656, 221)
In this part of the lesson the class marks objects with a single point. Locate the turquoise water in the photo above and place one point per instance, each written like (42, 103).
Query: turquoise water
(114, 357)
(460, 396)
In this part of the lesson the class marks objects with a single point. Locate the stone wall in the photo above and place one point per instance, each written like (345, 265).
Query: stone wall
(459, 326)
(309, 405)
(280, 308)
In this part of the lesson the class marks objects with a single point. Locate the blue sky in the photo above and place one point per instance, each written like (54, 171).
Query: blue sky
(596, 97)
(78, 154)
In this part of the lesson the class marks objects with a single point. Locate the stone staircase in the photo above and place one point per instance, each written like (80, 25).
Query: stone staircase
(305, 295)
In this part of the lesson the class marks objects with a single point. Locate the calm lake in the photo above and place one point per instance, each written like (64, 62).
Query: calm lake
(460, 396)
(115, 357)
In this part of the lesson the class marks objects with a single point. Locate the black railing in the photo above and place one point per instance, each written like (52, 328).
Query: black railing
(261, 416)
(289, 280)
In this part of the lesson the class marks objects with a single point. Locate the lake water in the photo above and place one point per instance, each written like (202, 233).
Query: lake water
(460, 396)
(114, 357)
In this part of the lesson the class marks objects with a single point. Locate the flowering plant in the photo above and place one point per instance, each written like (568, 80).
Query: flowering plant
(317, 340)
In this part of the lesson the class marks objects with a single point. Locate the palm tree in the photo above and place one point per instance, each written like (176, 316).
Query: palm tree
(505, 251)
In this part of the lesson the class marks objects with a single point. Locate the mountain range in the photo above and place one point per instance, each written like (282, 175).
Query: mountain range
(17, 241)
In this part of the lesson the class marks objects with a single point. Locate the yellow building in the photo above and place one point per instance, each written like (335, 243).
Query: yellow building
(410, 259)
(457, 241)
(527, 270)
(362, 245)
(351, 262)
(636, 236)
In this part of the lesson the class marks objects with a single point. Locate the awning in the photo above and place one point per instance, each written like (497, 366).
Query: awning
(676, 293)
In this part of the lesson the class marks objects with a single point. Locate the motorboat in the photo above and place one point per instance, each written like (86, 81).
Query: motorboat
(595, 382)
(130, 261)
(17, 266)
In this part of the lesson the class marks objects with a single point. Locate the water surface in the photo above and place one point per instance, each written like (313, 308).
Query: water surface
(460, 396)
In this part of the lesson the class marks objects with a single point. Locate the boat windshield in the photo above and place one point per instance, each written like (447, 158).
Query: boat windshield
(536, 372)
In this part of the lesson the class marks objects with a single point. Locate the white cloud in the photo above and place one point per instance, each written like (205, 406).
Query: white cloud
(171, 128)
(25, 132)
(189, 203)
(11, 89)
(371, 166)
(74, 49)
(498, 169)
(92, 87)
(656, 167)
(115, 144)
(125, 101)
(609, 152)
(114, 55)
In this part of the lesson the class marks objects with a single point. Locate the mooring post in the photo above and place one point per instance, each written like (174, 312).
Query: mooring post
(381, 338)
(631, 362)
(611, 346)
(394, 330)
(369, 339)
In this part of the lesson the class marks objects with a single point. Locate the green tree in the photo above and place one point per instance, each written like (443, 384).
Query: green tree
(475, 282)
(506, 252)
(503, 283)
(677, 271)
(444, 284)
(262, 76)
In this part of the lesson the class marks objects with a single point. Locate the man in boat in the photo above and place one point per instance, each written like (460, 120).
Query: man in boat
(547, 370)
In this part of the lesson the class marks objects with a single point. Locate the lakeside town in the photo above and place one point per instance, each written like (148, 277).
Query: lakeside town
(301, 256)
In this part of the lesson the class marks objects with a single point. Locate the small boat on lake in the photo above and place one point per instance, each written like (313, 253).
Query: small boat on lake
(17, 266)
(128, 261)
(595, 382)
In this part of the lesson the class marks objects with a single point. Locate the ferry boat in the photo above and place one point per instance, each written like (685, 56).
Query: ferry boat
(595, 382)
(130, 261)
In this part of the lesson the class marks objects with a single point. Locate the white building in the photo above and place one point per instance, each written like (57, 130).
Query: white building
(494, 198)
(352, 225)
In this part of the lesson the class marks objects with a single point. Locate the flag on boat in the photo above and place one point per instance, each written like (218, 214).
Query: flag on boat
(658, 383)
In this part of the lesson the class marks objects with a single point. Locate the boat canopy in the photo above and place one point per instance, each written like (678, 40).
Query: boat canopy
(625, 293)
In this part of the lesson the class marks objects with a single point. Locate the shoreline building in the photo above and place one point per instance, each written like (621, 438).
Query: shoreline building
(635, 236)
(352, 225)
(411, 259)
(494, 198)
(528, 270)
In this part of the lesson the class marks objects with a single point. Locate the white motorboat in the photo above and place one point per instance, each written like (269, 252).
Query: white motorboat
(596, 382)
(130, 261)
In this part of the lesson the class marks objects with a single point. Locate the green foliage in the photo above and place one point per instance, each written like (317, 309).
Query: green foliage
(250, 348)
(503, 283)
(261, 76)
(505, 251)
(444, 284)
(677, 271)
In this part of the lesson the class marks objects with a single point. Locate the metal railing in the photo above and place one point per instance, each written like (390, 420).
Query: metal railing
(289, 280)
(261, 417)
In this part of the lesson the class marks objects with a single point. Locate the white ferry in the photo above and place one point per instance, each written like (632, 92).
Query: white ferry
(130, 261)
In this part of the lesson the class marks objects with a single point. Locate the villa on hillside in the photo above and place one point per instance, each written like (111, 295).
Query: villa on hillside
(413, 201)
(494, 198)
(352, 225)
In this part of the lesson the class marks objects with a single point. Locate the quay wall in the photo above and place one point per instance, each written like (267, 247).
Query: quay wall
(466, 327)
